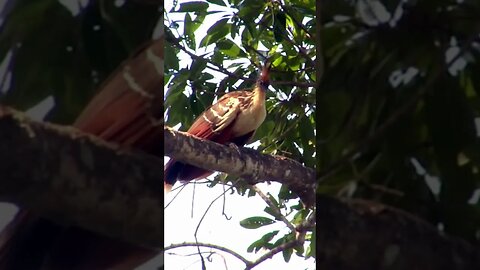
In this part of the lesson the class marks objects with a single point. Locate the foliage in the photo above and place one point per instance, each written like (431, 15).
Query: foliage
(64, 54)
(238, 36)
(398, 111)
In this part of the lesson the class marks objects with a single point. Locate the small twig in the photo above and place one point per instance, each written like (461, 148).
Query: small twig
(292, 83)
(193, 200)
(207, 245)
(307, 224)
(200, 222)
(284, 8)
(176, 195)
(224, 203)
(274, 208)
(272, 252)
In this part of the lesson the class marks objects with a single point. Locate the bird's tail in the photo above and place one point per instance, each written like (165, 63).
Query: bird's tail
(175, 170)
(170, 174)
(32, 242)
(26, 236)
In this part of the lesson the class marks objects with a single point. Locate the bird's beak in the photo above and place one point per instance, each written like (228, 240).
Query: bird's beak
(265, 75)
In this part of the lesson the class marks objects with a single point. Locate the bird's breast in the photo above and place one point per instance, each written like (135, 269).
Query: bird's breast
(249, 118)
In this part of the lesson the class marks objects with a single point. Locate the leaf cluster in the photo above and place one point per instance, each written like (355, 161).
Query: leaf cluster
(399, 107)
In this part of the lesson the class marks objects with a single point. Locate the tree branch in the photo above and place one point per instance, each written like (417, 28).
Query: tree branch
(73, 178)
(358, 235)
(249, 164)
(198, 244)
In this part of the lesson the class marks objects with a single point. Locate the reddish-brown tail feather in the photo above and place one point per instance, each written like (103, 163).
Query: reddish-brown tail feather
(175, 170)
(32, 242)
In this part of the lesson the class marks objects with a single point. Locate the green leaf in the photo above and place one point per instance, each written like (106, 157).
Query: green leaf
(287, 254)
(171, 58)
(197, 67)
(286, 194)
(193, 6)
(217, 2)
(231, 49)
(189, 29)
(311, 250)
(279, 26)
(216, 32)
(255, 222)
(263, 242)
(300, 216)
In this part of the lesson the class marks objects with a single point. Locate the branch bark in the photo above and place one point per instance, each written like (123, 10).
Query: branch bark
(249, 164)
(358, 235)
(74, 178)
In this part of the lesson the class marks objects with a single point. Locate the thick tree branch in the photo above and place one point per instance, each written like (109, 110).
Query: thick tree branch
(74, 178)
(357, 235)
(247, 163)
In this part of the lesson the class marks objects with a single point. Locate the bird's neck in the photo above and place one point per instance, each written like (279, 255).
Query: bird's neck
(259, 95)
(253, 114)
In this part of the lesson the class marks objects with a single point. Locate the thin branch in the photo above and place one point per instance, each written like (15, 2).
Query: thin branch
(176, 195)
(272, 253)
(221, 248)
(274, 208)
(292, 83)
(200, 222)
(299, 24)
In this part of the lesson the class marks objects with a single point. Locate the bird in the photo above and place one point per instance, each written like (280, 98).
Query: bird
(124, 112)
(232, 120)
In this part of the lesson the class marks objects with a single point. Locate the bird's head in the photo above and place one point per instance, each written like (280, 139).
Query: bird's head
(264, 78)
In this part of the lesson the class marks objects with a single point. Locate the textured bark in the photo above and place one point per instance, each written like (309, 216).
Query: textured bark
(249, 164)
(68, 176)
(357, 235)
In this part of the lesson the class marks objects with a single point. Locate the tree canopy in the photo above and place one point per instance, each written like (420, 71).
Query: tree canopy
(398, 108)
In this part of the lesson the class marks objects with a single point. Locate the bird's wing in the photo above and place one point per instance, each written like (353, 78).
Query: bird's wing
(121, 112)
(219, 117)
(124, 111)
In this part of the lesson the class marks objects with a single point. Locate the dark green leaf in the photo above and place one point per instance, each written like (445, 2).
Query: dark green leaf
(255, 222)
(193, 6)
(217, 2)
(218, 30)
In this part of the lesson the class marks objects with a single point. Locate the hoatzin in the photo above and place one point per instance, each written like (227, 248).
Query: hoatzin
(232, 119)
(122, 112)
